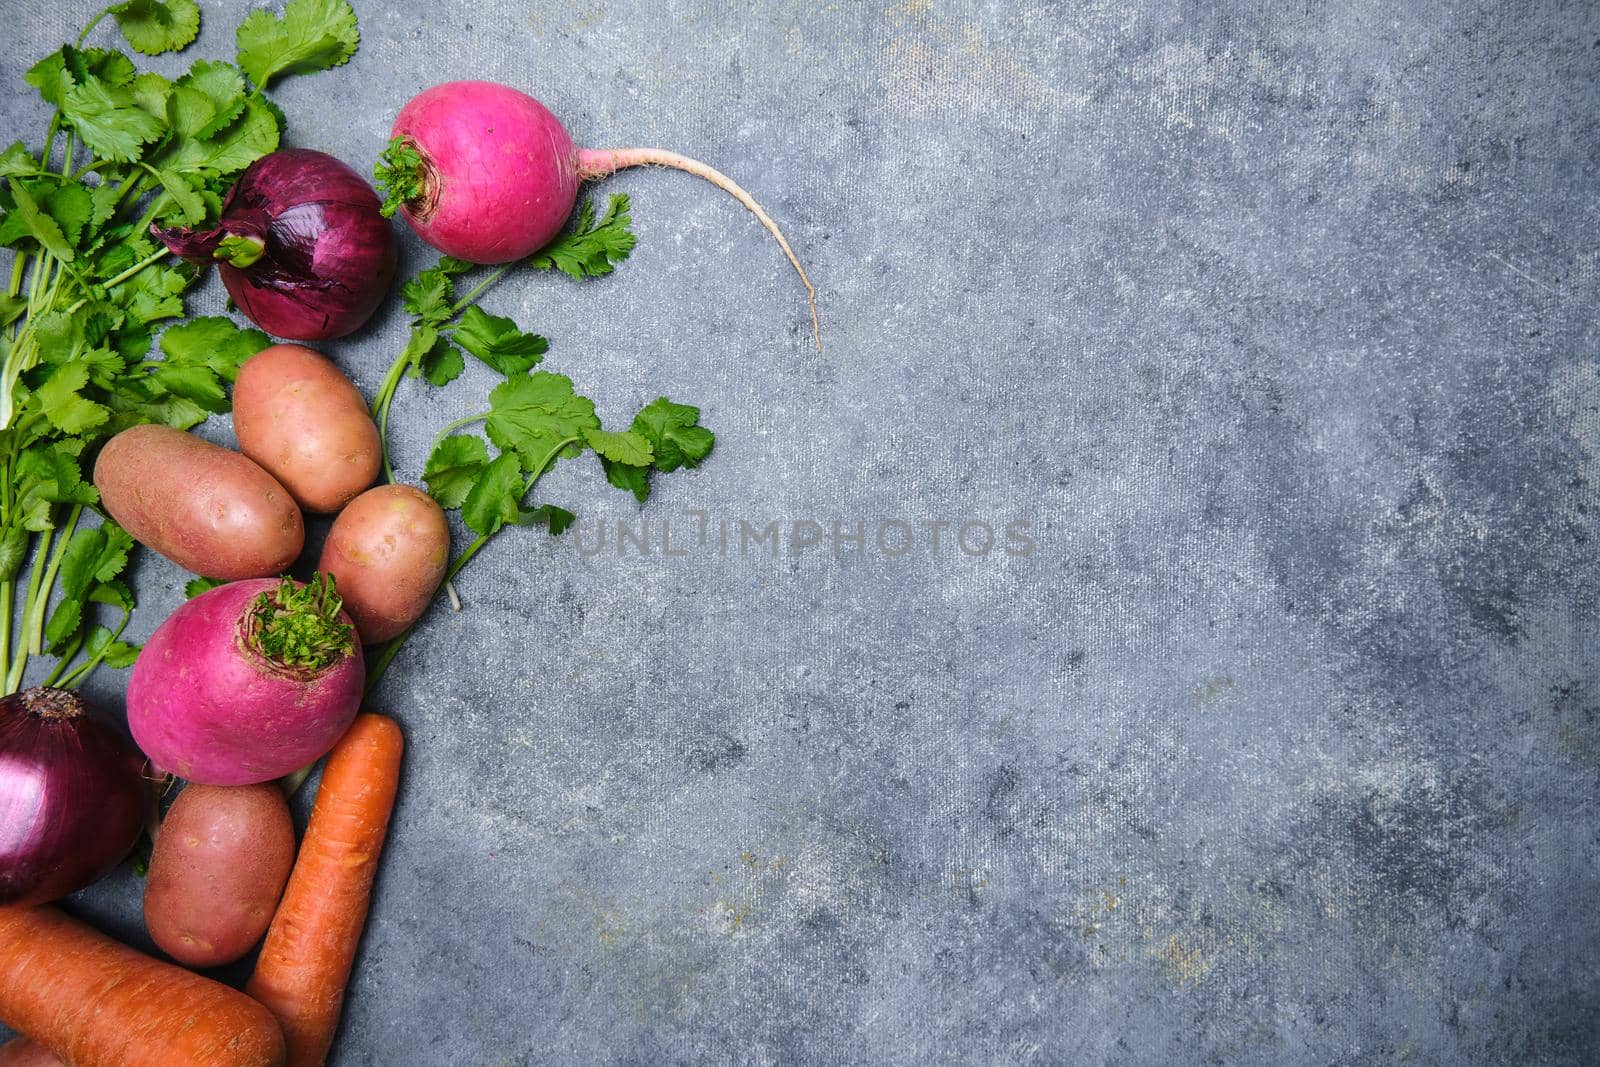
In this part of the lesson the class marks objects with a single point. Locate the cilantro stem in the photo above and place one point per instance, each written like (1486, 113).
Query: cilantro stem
(467, 421)
(380, 408)
(42, 601)
(50, 140)
(154, 257)
(67, 655)
(82, 670)
(83, 36)
(20, 661)
(478, 290)
(93, 164)
(8, 598)
(41, 268)
(544, 465)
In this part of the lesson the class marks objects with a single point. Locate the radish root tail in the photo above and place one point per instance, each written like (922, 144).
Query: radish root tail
(603, 162)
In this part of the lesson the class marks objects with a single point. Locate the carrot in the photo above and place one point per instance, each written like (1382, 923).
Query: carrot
(306, 959)
(97, 1003)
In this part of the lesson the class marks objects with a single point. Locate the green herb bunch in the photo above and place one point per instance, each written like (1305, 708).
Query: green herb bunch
(535, 417)
(88, 290)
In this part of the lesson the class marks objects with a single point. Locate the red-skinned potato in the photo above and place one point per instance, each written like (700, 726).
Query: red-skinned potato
(297, 415)
(387, 553)
(206, 508)
(22, 1052)
(218, 868)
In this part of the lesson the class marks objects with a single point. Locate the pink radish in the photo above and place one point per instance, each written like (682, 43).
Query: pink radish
(486, 173)
(247, 682)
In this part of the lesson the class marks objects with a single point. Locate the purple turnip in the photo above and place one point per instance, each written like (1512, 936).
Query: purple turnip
(486, 173)
(247, 682)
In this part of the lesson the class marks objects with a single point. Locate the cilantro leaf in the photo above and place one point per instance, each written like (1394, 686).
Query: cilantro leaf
(61, 403)
(65, 620)
(110, 121)
(187, 208)
(193, 383)
(17, 160)
(156, 26)
(61, 336)
(212, 341)
(244, 140)
(509, 350)
(154, 293)
(150, 93)
(430, 356)
(72, 206)
(107, 64)
(417, 346)
(591, 248)
(312, 35)
(495, 497)
(635, 480)
(40, 225)
(442, 364)
(559, 520)
(85, 556)
(92, 560)
(429, 296)
(620, 447)
(102, 643)
(195, 586)
(531, 415)
(113, 558)
(453, 467)
(115, 592)
(51, 77)
(496, 341)
(49, 474)
(674, 434)
(223, 87)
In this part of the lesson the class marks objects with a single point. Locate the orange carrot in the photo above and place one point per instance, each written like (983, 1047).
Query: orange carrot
(97, 1003)
(306, 959)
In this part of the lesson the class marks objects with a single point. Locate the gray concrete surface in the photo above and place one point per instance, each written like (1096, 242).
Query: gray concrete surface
(1276, 323)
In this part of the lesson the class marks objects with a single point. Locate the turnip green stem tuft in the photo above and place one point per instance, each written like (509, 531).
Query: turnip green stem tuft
(402, 175)
(298, 627)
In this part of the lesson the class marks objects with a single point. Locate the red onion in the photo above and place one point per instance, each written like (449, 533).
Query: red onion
(73, 796)
(301, 246)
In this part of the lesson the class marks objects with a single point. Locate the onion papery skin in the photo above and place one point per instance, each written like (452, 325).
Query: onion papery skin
(73, 796)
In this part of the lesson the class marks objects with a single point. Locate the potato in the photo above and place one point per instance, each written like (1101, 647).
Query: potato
(298, 416)
(387, 553)
(207, 509)
(219, 866)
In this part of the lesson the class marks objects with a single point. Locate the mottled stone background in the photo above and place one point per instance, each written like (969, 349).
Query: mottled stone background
(1275, 320)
